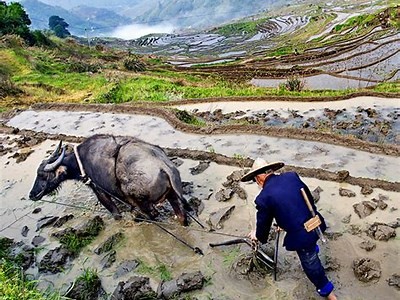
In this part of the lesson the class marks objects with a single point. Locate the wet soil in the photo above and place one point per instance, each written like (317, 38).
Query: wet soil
(228, 276)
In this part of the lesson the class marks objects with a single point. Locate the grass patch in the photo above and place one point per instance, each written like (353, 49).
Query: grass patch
(14, 285)
(75, 243)
(187, 118)
(75, 240)
(230, 256)
(388, 87)
(249, 27)
(160, 270)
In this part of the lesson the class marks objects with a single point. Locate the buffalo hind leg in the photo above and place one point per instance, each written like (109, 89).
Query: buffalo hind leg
(178, 207)
(108, 203)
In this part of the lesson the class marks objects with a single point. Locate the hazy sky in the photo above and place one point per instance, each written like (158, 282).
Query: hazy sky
(134, 31)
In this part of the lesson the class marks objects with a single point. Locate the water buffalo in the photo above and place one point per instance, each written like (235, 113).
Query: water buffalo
(121, 167)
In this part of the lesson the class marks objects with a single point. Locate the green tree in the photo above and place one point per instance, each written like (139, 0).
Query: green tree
(14, 20)
(59, 26)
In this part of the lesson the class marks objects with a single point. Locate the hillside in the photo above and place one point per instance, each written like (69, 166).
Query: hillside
(105, 17)
(221, 62)
(79, 19)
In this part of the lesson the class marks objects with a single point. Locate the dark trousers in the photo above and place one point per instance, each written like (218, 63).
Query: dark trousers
(313, 268)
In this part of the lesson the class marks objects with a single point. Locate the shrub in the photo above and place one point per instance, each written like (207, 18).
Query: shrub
(39, 39)
(81, 67)
(133, 63)
(7, 88)
(294, 84)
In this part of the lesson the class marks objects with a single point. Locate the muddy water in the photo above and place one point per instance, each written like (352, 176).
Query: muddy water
(318, 82)
(158, 131)
(383, 105)
(148, 243)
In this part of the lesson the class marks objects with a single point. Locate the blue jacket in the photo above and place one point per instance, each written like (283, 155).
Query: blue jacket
(281, 199)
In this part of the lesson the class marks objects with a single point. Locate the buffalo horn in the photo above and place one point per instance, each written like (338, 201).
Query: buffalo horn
(54, 165)
(55, 153)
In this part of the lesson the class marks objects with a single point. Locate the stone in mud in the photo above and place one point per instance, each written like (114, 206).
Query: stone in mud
(62, 220)
(394, 224)
(380, 203)
(354, 229)
(346, 193)
(234, 177)
(187, 187)
(394, 280)
(381, 231)
(177, 161)
(367, 245)
(200, 168)
(45, 221)
(37, 240)
(109, 243)
(342, 175)
(108, 259)
(239, 191)
(126, 267)
(196, 204)
(61, 233)
(24, 231)
(20, 157)
(364, 208)
(136, 287)
(55, 260)
(217, 218)
(366, 269)
(332, 236)
(366, 190)
(316, 194)
(24, 253)
(37, 210)
(185, 283)
(232, 182)
(224, 195)
(331, 264)
(91, 227)
(346, 219)
(86, 289)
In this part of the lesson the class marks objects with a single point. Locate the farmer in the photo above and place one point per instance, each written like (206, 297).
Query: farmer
(281, 198)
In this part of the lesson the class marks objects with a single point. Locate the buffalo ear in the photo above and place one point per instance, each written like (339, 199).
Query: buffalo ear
(61, 170)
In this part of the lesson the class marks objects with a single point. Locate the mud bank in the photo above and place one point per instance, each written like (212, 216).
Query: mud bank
(170, 117)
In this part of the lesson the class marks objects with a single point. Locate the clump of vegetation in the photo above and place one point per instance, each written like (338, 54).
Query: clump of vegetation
(14, 284)
(249, 27)
(75, 240)
(230, 256)
(160, 270)
(7, 88)
(133, 63)
(81, 67)
(187, 118)
(87, 286)
(294, 84)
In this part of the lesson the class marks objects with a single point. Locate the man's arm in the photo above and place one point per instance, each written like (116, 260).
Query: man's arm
(263, 223)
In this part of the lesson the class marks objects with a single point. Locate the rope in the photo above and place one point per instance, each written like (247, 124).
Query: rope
(137, 218)
(9, 225)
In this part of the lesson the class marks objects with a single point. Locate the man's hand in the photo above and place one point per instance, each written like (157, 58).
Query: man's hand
(252, 235)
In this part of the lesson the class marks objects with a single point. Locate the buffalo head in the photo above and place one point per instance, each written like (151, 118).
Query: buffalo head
(49, 175)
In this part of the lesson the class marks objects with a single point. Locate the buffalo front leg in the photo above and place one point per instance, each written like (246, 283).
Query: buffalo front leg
(108, 203)
(143, 207)
(177, 205)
